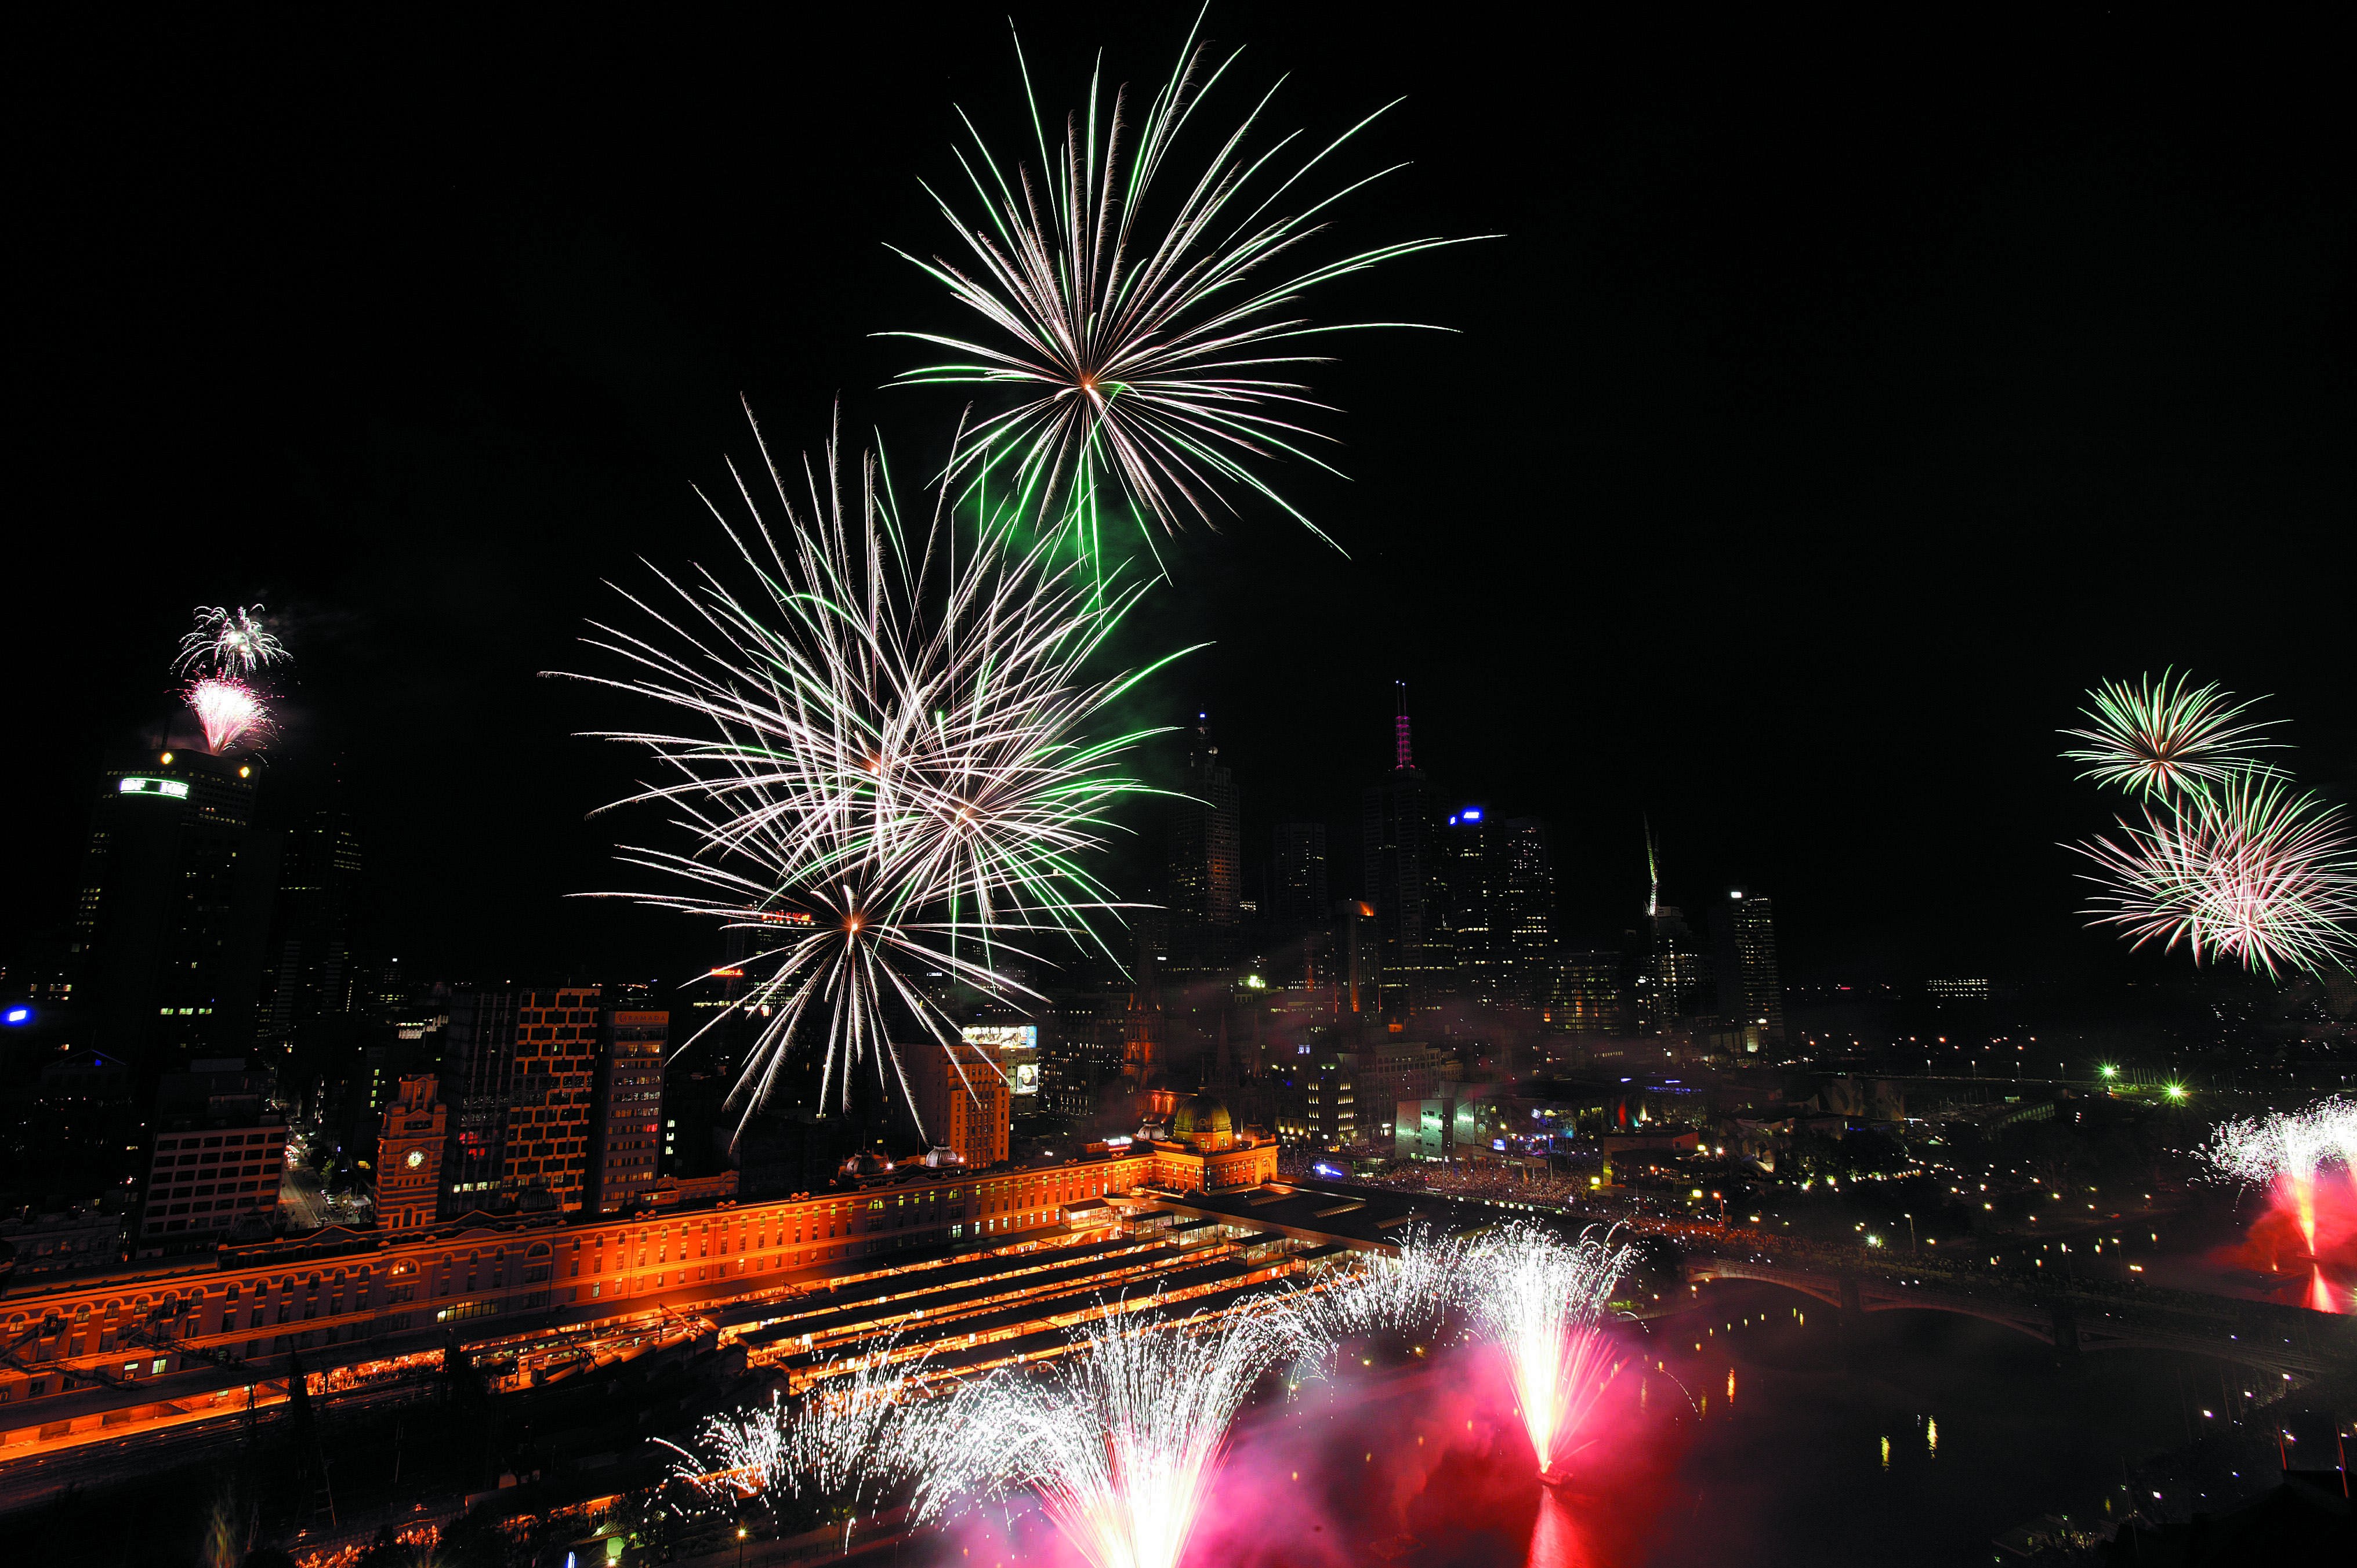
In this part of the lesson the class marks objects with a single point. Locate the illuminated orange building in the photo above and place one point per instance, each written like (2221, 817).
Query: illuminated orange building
(963, 1100)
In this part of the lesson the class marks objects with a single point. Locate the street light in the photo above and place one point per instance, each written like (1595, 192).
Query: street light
(1913, 1245)
(740, 1546)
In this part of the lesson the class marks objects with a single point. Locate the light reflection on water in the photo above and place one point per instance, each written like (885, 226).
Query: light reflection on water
(1836, 1453)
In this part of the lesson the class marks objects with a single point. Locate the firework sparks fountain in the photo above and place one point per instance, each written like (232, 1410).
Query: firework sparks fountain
(1121, 1438)
(2286, 1152)
(860, 1428)
(1540, 1299)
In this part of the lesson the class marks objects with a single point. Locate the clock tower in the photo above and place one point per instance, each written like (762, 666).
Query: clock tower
(409, 1158)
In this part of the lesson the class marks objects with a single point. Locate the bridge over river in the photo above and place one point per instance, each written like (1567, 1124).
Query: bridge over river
(2075, 1316)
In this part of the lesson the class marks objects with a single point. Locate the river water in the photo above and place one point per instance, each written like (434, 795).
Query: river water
(1748, 1433)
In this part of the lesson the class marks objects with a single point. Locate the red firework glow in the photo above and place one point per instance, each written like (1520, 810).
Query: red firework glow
(2309, 1235)
(2310, 1225)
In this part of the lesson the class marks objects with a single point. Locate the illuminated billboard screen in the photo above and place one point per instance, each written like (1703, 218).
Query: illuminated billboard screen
(1017, 1048)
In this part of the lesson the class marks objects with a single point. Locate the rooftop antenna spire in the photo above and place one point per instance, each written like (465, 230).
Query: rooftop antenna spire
(1652, 874)
(1402, 758)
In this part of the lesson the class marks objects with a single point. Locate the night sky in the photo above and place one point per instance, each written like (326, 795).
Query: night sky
(1836, 407)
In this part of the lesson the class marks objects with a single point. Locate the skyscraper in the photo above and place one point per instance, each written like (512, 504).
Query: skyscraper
(310, 972)
(1462, 896)
(1521, 922)
(1297, 892)
(1750, 986)
(1397, 818)
(1672, 973)
(1495, 887)
(1584, 997)
(1205, 872)
(173, 910)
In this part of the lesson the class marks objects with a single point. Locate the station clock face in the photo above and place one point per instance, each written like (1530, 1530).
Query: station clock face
(416, 1158)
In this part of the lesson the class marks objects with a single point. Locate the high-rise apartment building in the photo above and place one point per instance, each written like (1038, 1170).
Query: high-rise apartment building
(627, 1143)
(1750, 986)
(409, 1148)
(962, 1100)
(1396, 820)
(1205, 871)
(173, 908)
(1298, 900)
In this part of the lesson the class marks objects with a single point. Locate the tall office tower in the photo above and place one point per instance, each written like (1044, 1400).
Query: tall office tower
(1522, 907)
(409, 1148)
(1673, 984)
(629, 1109)
(173, 910)
(1205, 874)
(478, 1064)
(219, 1155)
(1397, 818)
(1461, 907)
(961, 1100)
(520, 1079)
(1750, 987)
(1298, 900)
(1358, 958)
(1585, 998)
(310, 974)
(552, 1096)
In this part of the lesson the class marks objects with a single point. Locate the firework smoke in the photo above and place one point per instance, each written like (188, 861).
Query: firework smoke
(228, 642)
(1539, 1299)
(1121, 1439)
(229, 712)
(2243, 869)
(2166, 736)
(1144, 350)
(891, 773)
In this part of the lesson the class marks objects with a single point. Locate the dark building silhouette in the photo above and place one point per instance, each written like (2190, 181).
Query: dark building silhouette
(172, 911)
(1396, 820)
(311, 974)
(1204, 881)
(1298, 898)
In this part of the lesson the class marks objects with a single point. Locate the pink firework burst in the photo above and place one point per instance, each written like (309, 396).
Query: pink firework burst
(231, 712)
